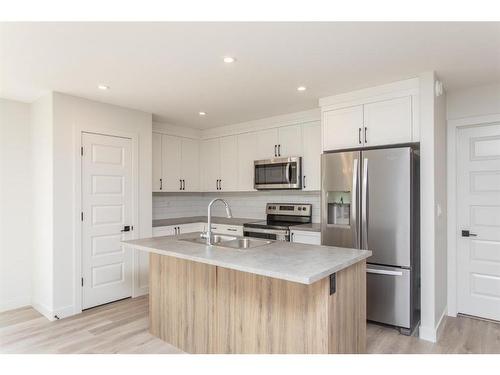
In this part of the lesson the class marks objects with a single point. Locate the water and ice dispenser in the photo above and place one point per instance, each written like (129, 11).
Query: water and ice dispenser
(339, 207)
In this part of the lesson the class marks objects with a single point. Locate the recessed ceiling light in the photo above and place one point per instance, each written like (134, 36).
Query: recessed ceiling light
(229, 59)
(103, 87)
(201, 113)
(301, 88)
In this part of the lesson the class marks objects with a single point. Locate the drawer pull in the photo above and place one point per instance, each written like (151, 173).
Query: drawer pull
(384, 272)
(232, 229)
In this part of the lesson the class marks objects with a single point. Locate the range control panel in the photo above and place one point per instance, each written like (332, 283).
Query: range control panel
(295, 209)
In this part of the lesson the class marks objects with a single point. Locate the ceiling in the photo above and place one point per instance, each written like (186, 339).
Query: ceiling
(175, 70)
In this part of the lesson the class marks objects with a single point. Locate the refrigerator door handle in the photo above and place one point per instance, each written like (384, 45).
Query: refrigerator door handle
(384, 272)
(354, 204)
(364, 206)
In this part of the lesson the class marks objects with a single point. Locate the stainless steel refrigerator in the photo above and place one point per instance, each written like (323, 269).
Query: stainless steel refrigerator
(370, 200)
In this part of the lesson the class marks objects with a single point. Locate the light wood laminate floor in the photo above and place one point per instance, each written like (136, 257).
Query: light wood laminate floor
(122, 327)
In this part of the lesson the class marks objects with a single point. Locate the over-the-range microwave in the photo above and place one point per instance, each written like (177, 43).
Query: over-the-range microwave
(278, 173)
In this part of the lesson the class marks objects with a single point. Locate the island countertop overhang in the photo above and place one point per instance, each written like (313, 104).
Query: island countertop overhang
(295, 262)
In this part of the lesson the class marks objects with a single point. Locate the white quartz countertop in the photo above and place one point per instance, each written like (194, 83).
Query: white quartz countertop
(289, 261)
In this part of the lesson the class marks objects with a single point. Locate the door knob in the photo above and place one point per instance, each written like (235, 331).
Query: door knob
(467, 233)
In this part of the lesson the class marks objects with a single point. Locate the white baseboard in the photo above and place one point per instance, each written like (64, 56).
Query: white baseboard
(15, 303)
(64, 312)
(140, 292)
(432, 334)
(44, 310)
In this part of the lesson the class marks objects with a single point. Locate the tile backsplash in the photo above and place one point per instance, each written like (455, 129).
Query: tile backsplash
(250, 205)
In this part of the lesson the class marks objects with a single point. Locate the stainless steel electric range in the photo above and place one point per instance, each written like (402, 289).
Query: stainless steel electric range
(280, 217)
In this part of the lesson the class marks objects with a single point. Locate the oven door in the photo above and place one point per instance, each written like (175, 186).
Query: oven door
(278, 173)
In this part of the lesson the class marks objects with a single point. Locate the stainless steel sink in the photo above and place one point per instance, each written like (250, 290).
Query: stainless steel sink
(232, 242)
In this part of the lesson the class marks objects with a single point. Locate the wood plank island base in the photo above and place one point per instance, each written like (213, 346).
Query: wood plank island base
(201, 308)
(278, 298)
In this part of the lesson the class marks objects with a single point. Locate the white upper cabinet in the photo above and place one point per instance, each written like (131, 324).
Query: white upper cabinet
(157, 173)
(247, 154)
(342, 128)
(388, 122)
(311, 156)
(375, 116)
(290, 140)
(228, 163)
(190, 164)
(175, 163)
(171, 163)
(210, 155)
(267, 141)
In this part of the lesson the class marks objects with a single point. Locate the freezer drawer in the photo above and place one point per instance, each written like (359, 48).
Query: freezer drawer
(388, 294)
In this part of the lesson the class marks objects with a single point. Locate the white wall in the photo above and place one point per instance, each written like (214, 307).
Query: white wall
(71, 116)
(474, 101)
(440, 197)
(15, 205)
(251, 205)
(42, 228)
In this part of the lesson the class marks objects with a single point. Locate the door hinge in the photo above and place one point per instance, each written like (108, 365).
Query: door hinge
(82, 281)
(81, 150)
(82, 215)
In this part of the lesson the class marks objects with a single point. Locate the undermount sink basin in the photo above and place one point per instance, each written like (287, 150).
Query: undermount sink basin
(232, 242)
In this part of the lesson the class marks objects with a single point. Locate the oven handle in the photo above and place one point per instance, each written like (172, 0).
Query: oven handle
(266, 231)
(288, 172)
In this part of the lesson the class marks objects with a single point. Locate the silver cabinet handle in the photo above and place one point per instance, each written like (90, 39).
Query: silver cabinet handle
(220, 184)
(279, 150)
(384, 272)
(359, 135)
(366, 140)
(275, 150)
(304, 181)
(161, 183)
(232, 229)
(180, 184)
(183, 184)
(364, 205)
(354, 204)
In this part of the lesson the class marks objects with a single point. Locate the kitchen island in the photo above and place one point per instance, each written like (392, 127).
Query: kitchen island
(280, 297)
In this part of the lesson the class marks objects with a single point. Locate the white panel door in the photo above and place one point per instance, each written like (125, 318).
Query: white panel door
(171, 163)
(267, 144)
(388, 122)
(229, 163)
(478, 211)
(107, 208)
(210, 156)
(190, 168)
(290, 140)
(311, 156)
(342, 128)
(247, 154)
(157, 168)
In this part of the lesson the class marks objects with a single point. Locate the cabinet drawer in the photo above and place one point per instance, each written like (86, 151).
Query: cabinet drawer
(235, 230)
(311, 238)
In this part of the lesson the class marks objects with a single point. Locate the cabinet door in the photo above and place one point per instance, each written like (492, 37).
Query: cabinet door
(171, 163)
(229, 163)
(290, 140)
(388, 122)
(267, 143)
(156, 158)
(341, 128)
(190, 165)
(210, 156)
(247, 154)
(311, 156)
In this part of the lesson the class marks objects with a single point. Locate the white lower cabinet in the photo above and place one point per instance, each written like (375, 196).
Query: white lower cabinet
(172, 230)
(306, 237)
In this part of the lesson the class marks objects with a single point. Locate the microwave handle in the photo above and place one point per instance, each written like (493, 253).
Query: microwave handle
(288, 172)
